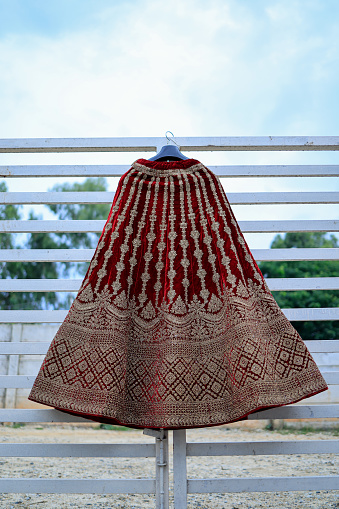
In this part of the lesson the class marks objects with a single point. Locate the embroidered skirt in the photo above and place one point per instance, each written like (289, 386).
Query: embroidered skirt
(174, 325)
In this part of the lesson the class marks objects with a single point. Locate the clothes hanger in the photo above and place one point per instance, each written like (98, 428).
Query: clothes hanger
(169, 152)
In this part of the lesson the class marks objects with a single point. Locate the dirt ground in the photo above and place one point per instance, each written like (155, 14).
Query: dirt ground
(202, 467)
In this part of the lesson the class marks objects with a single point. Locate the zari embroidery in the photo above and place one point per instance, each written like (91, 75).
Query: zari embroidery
(201, 272)
(231, 278)
(240, 238)
(115, 234)
(150, 239)
(161, 245)
(174, 325)
(107, 228)
(207, 239)
(184, 242)
(171, 236)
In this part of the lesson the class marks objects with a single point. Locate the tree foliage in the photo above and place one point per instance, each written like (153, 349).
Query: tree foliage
(301, 269)
(49, 270)
(53, 270)
(80, 212)
(81, 240)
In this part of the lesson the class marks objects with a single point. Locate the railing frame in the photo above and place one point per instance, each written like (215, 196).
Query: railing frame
(159, 450)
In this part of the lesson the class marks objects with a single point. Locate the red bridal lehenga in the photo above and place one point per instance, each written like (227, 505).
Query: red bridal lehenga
(174, 325)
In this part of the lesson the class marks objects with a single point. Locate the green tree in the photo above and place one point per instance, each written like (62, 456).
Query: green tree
(9, 212)
(26, 270)
(80, 212)
(49, 270)
(300, 269)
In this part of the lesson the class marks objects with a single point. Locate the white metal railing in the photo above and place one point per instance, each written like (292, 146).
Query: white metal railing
(13, 380)
(187, 144)
(182, 450)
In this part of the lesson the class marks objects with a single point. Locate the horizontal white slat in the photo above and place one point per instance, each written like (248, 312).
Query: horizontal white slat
(38, 226)
(80, 170)
(73, 285)
(248, 171)
(24, 348)
(325, 345)
(85, 255)
(26, 381)
(47, 255)
(285, 412)
(40, 285)
(51, 198)
(314, 314)
(261, 448)
(297, 412)
(331, 377)
(254, 484)
(291, 170)
(77, 485)
(40, 348)
(78, 450)
(19, 415)
(34, 316)
(295, 284)
(58, 316)
(282, 198)
(294, 254)
(150, 144)
(16, 381)
(148, 450)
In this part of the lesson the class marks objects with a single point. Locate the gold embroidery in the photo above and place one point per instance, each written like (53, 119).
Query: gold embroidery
(171, 236)
(175, 361)
(108, 227)
(207, 239)
(136, 241)
(183, 242)
(121, 300)
(115, 234)
(179, 307)
(231, 279)
(161, 245)
(86, 295)
(204, 293)
(150, 238)
(210, 371)
(148, 311)
(165, 173)
(240, 239)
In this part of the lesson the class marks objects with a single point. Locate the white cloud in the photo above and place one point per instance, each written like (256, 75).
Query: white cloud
(214, 68)
(133, 79)
(196, 68)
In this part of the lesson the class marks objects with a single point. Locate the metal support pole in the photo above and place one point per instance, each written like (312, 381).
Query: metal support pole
(161, 467)
(13, 365)
(179, 469)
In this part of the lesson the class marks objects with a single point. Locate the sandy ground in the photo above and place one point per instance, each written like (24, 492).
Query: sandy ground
(282, 465)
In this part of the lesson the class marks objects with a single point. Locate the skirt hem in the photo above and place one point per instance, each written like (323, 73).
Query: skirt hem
(109, 420)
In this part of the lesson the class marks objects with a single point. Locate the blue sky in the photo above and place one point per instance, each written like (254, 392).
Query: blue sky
(75, 68)
(141, 67)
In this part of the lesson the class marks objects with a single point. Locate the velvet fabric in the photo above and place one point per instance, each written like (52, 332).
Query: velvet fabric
(174, 325)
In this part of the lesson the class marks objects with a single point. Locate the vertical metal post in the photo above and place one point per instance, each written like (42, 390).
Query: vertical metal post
(162, 481)
(13, 365)
(179, 469)
(161, 467)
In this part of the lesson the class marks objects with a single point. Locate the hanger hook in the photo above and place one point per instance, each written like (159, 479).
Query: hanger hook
(171, 139)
